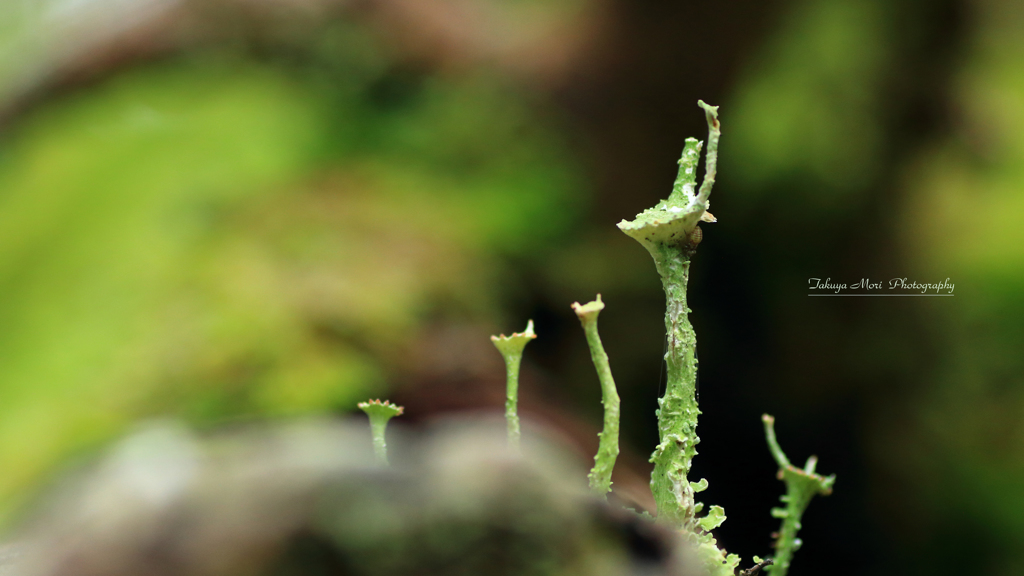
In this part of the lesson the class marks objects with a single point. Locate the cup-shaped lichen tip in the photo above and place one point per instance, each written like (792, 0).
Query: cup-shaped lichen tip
(515, 343)
(674, 220)
(379, 413)
(378, 409)
(588, 311)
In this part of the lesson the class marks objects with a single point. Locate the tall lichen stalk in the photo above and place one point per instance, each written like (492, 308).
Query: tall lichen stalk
(669, 232)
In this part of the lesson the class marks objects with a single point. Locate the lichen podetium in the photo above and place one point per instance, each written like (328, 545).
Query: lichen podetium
(379, 413)
(608, 449)
(511, 348)
(801, 486)
(667, 232)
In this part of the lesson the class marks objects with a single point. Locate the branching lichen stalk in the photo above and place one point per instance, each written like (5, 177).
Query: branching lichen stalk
(670, 233)
(667, 231)
(801, 487)
(608, 450)
(511, 348)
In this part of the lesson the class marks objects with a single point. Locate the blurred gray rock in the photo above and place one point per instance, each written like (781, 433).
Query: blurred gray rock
(308, 498)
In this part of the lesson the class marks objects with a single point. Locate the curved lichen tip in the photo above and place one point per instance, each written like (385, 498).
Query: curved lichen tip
(711, 158)
(378, 409)
(710, 111)
(773, 443)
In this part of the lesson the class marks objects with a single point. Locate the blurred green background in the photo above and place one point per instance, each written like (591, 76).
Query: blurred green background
(239, 209)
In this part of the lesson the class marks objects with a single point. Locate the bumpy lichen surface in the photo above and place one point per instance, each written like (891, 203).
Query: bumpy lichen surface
(669, 232)
(666, 231)
(511, 348)
(801, 487)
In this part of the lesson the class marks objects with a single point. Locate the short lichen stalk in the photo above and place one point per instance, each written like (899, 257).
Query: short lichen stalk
(511, 348)
(608, 449)
(380, 413)
(801, 487)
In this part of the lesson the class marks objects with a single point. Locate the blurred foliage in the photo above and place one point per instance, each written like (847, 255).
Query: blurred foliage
(963, 219)
(216, 235)
(806, 108)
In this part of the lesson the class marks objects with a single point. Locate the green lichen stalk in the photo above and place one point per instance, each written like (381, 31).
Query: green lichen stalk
(608, 450)
(669, 232)
(379, 413)
(511, 348)
(677, 409)
(801, 487)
